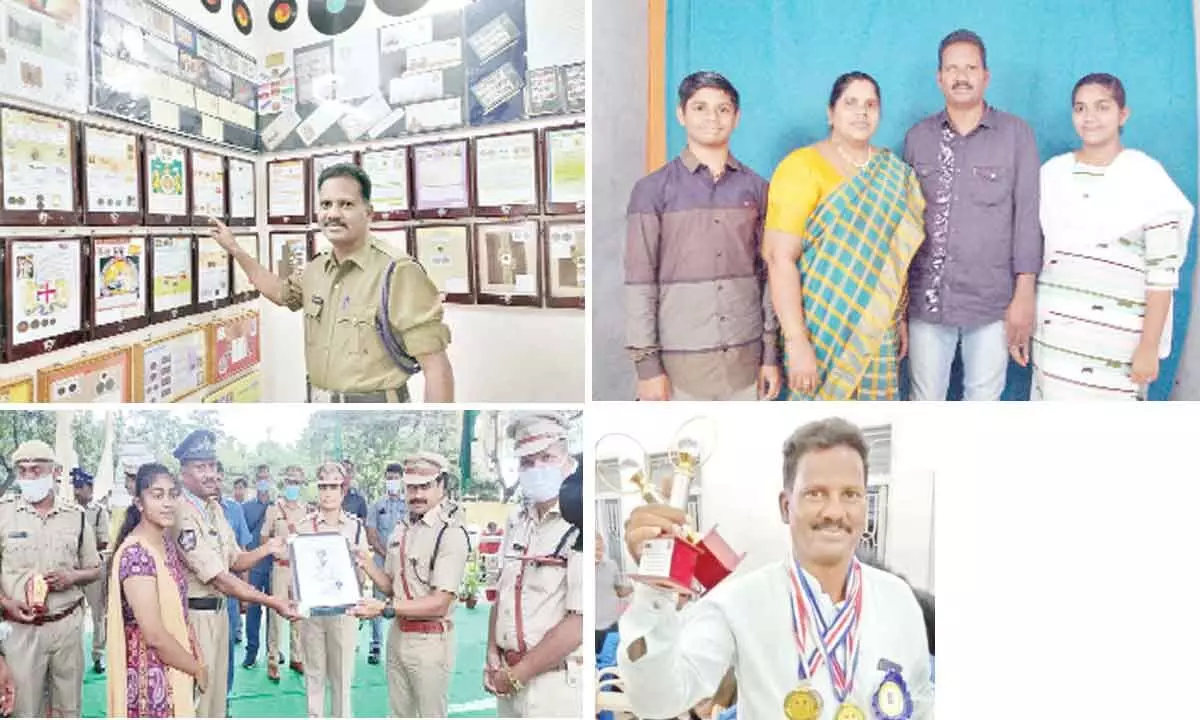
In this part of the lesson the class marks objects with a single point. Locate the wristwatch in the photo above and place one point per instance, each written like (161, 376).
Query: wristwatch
(388, 613)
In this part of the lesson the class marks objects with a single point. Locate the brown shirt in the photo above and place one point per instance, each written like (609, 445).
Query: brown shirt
(410, 550)
(340, 300)
(206, 543)
(695, 286)
(31, 544)
(282, 520)
(548, 592)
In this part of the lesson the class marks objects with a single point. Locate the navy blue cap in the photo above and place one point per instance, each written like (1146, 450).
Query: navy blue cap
(198, 446)
(79, 478)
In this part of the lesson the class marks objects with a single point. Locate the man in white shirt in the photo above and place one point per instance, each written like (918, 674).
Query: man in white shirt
(859, 630)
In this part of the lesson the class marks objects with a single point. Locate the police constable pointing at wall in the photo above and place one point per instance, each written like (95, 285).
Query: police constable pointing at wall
(211, 557)
(357, 348)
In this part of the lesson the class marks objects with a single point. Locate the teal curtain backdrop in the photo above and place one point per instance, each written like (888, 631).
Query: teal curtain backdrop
(783, 56)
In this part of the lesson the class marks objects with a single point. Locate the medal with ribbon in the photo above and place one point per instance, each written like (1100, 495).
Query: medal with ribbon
(836, 642)
(803, 703)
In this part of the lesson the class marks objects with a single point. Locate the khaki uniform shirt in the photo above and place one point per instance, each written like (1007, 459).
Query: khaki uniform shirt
(340, 300)
(548, 592)
(410, 550)
(31, 545)
(97, 515)
(349, 526)
(282, 521)
(206, 543)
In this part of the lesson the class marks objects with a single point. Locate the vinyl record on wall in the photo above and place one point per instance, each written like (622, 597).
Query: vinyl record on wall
(282, 14)
(400, 8)
(334, 17)
(241, 17)
(212, 6)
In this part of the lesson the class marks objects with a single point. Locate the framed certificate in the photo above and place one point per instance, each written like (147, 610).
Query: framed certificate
(389, 173)
(506, 174)
(91, 379)
(575, 87)
(564, 170)
(445, 253)
(45, 280)
(167, 173)
(233, 346)
(507, 263)
(243, 289)
(565, 250)
(172, 277)
(16, 390)
(287, 192)
(38, 181)
(209, 187)
(246, 389)
(442, 180)
(169, 368)
(243, 209)
(319, 163)
(120, 273)
(395, 237)
(544, 92)
(324, 574)
(112, 179)
(289, 252)
(212, 275)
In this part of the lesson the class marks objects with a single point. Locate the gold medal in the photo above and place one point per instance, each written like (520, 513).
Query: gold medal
(849, 711)
(803, 703)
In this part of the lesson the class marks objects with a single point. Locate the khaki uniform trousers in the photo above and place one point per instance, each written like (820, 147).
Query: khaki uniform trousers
(328, 660)
(419, 666)
(551, 694)
(96, 594)
(47, 660)
(212, 635)
(281, 587)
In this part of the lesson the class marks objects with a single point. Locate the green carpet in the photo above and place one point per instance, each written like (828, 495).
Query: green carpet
(255, 696)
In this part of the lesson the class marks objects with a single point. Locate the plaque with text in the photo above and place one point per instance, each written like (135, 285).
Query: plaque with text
(120, 284)
(389, 173)
(442, 180)
(105, 378)
(445, 253)
(507, 263)
(172, 277)
(213, 277)
(45, 279)
(38, 179)
(242, 198)
(209, 187)
(565, 170)
(565, 250)
(287, 192)
(112, 180)
(506, 174)
(167, 184)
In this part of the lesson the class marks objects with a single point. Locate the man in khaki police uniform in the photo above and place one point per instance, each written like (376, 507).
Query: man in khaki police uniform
(329, 640)
(283, 518)
(47, 552)
(96, 592)
(340, 291)
(211, 557)
(536, 627)
(423, 571)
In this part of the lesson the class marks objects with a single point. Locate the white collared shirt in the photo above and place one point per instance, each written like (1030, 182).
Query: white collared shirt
(746, 623)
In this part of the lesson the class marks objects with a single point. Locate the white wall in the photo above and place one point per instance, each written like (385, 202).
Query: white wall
(742, 480)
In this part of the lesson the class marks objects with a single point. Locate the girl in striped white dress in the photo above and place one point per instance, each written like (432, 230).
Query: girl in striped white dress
(1116, 230)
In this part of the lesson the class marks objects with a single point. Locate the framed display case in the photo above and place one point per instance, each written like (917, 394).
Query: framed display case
(507, 263)
(287, 192)
(246, 389)
(169, 368)
(172, 277)
(45, 284)
(564, 248)
(16, 390)
(213, 275)
(289, 252)
(445, 253)
(391, 182)
(441, 177)
(233, 346)
(102, 378)
(243, 193)
(39, 177)
(167, 172)
(243, 289)
(210, 188)
(506, 174)
(112, 177)
(120, 269)
(564, 170)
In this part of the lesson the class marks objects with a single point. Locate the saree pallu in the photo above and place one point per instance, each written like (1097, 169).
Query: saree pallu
(858, 245)
(139, 683)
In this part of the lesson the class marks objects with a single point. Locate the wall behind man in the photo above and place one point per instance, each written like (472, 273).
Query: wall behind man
(783, 56)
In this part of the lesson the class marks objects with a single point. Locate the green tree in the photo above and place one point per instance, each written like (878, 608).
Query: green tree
(88, 430)
(17, 426)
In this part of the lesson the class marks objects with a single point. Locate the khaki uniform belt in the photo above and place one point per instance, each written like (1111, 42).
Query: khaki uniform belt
(377, 396)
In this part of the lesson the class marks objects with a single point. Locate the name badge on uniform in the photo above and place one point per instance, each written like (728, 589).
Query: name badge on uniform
(16, 534)
(318, 300)
(892, 700)
(187, 540)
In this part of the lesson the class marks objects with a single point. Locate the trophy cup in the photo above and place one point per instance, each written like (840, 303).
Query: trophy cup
(36, 590)
(690, 563)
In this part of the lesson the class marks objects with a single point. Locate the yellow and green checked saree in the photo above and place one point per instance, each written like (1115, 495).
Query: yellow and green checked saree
(858, 244)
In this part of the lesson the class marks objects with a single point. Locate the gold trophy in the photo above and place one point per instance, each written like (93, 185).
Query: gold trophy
(36, 590)
(689, 563)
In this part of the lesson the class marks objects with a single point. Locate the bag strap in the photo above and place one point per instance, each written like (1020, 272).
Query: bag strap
(383, 328)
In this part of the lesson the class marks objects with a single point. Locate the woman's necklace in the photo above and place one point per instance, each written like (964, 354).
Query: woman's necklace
(847, 158)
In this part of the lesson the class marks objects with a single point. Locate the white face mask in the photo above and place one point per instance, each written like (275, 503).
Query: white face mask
(540, 483)
(120, 499)
(36, 490)
(394, 486)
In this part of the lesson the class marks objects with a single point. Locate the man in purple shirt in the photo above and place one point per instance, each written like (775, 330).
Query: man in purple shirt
(973, 280)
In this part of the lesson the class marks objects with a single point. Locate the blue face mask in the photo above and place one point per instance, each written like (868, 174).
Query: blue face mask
(264, 485)
(291, 492)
